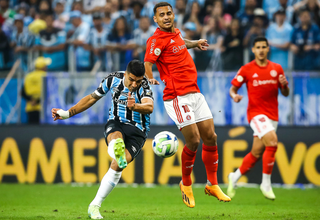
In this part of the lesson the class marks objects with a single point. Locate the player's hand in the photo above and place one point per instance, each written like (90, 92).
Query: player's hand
(131, 102)
(203, 44)
(55, 115)
(154, 82)
(283, 80)
(237, 98)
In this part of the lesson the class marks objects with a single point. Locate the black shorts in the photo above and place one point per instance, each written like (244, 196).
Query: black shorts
(133, 137)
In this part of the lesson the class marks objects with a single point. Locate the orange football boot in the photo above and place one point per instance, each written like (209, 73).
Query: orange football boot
(215, 191)
(187, 195)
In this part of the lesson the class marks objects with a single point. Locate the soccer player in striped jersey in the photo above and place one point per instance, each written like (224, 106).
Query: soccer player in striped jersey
(128, 124)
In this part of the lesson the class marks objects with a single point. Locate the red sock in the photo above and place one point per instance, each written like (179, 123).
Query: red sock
(210, 159)
(187, 159)
(268, 159)
(248, 162)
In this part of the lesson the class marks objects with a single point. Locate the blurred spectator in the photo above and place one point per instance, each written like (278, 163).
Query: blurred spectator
(21, 41)
(134, 20)
(91, 6)
(272, 6)
(23, 9)
(195, 16)
(4, 50)
(61, 17)
(44, 5)
(78, 6)
(305, 43)
(31, 90)
(257, 29)
(7, 16)
(52, 43)
(224, 20)
(246, 15)
(123, 42)
(39, 24)
(190, 30)
(78, 39)
(232, 48)
(212, 33)
(147, 10)
(279, 36)
(230, 7)
(106, 20)
(98, 41)
(313, 6)
(180, 11)
(141, 35)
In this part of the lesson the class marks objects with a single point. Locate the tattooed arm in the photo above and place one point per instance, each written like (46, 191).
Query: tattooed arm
(85, 103)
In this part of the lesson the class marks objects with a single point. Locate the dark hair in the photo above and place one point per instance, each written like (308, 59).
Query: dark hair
(303, 10)
(136, 67)
(259, 39)
(114, 29)
(161, 4)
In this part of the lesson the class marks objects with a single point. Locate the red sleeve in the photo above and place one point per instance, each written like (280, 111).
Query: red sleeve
(154, 49)
(281, 72)
(240, 78)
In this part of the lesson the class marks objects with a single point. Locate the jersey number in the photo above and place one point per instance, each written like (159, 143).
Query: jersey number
(185, 108)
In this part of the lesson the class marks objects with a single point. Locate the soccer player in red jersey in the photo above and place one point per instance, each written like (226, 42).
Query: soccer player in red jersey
(263, 79)
(183, 101)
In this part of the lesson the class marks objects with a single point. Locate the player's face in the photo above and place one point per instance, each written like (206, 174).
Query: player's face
(164, 17)
(132, 82)
(260, 50)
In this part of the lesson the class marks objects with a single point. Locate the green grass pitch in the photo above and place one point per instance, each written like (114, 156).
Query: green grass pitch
(60, 201)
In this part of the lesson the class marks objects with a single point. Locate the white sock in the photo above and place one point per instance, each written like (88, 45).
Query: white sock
(236, 176)
(266, 181)
(109, 181)
(110, 149)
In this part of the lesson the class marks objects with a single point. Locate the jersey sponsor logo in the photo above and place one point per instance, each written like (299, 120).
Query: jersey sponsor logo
(264, 82)
(239, 78)
(177, 49)
(273, 73)
(255, 75)
(123, 102)
(152, 46)
(172, 41)
(157, 51)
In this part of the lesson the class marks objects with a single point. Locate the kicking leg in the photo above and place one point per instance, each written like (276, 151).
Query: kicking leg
(247, 164)
(210, 159)
(110, 179)
(188, 156)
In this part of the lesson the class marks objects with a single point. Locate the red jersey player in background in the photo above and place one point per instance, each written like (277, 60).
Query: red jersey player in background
(183, 101)
(263, 79)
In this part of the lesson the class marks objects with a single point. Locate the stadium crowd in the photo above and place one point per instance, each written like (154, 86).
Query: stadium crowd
(116, 31)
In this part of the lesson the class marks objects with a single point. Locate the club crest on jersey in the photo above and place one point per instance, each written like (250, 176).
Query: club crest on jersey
(273, 73)
(157, 51)
(239, 78)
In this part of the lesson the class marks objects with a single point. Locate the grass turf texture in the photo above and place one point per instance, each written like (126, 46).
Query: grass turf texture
(60, 201)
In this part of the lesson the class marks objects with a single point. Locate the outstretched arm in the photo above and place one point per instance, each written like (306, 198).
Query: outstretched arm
(85, 103)
(149, 74)
(202, 44)
(234, 94)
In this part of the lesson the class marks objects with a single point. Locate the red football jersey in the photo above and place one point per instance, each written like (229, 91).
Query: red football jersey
(262, 85)
(176, 67)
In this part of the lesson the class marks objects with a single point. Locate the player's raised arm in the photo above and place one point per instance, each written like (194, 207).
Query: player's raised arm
(284, 85)
(234, 94)
(149, 74)
(202, 44)
(85, 103)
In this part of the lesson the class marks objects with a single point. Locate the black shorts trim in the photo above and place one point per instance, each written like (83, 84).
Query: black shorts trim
(133, 137)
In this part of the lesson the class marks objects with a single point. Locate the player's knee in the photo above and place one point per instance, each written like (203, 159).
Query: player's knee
(193, 143)
(210, 138)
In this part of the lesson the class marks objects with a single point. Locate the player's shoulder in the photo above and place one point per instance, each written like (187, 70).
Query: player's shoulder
(275, 65)
(118, 75)
(145, 83)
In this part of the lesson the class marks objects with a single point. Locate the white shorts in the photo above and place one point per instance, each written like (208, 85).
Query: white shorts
(261, 125)
(188, 109)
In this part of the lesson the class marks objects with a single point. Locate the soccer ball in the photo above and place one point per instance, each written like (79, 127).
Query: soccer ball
(165, 144)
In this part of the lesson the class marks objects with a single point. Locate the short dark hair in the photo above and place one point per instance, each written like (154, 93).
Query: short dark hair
(303, 10)
(259, 39)
(136, 67)
(161, 4)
